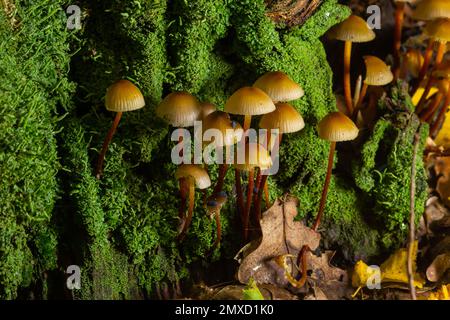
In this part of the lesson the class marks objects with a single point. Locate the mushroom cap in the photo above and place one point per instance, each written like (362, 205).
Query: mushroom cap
(377, 72)
(354, 29)
(442, 71)
(432, 9)
(285, 118)
(255, 156)
(231, 131)
(207, 108)
(279, 86)
(443, 85)
(194, 173)
(414, 61)
(249, 101)
(216, 201)
(123, 96)
(438, 29)
(180, 109)
(337, 127)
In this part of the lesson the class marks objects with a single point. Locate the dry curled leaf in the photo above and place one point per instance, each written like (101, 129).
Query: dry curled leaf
(281, 235)
(438, 267)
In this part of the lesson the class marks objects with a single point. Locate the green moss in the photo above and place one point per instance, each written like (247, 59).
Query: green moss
(34, 61)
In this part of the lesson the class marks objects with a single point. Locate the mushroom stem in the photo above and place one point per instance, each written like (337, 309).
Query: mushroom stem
(249, 202)
(190, 211)
(266, 194)
(439, 57)
(424, 96)
(362, 95)
(426, 63)
(399, 17)
(183, 196)
(325, 187)
(220, 180)
(219, 230)
(347, 85)
(262, 183)
(303, 261)
(101, 157)
(247, 122)
(427, 115)
(239, 194)
(440, 118)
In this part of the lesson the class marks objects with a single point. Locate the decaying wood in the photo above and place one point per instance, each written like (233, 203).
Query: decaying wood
(291, 12)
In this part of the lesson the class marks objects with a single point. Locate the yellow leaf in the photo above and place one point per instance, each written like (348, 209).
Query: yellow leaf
(360, 274)
(442, 294)
(443, 137)
(394, 269)
(418, 94)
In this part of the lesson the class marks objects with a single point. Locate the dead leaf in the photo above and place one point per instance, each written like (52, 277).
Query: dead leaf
(281, 235)
(330, 280)
(442, 168)
(438, 267)
(442, 294)
(269, 292)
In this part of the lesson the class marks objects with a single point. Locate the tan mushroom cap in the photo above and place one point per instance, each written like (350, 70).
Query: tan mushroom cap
(432, 9)
(337, 127)
(354, 29)
(438, 29)
(123, 96)
(194, 173)
(207, 108)
(285, 118)
(179, 109)
(255, 156)
(231, 132)
(413, 61)
(443, 71)
(279, 87)
(249, 101)
(377, 72)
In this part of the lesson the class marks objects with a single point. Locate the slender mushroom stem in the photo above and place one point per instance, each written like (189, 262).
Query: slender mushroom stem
(259, 197)
(219, 230)
(325, 187)
(399, 17)
(439, 57)
(266, 194)
(239, 194)
(190, 211)
(183, 196)
(362, 95)
(357, 92)
(249, 202)
(440, 118)
(303, 261)
(220, 180)
(427, 114)
(425, 95)
(426, 64)
(101, 157)
(247, 123)
(347, 85)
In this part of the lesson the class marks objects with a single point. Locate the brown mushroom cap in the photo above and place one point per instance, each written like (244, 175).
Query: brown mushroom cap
(432, 9)
(438, 29)
(285, 118)
(207, 108)
(221, 121)
(179, 109)
(337, 127)
(443, 85)
(377, 72)
(194, 173)
(279, 87)
(249, 101)
(443, 71)
(255, 156)
(354, 29)
(123, 96)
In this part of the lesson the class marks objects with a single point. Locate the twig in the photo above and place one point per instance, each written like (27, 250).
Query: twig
(412, 224)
